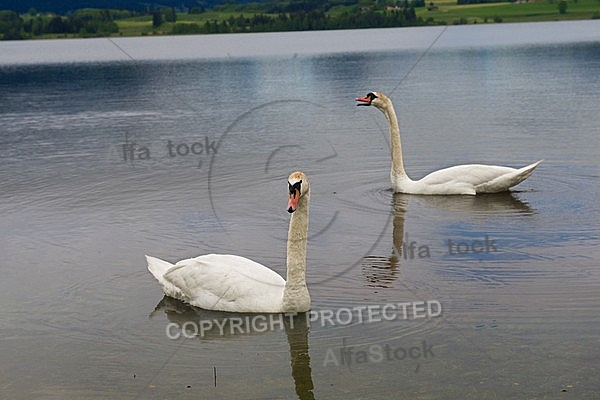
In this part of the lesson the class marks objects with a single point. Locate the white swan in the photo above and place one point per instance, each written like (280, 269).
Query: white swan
(468, 179)
(226, 282)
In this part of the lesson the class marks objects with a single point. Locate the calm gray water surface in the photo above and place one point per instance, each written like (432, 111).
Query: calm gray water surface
(81, 317)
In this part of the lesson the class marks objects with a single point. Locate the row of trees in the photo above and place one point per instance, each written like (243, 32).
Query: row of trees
(163, 15)
(85, 22)
(292, 6)
(302, 21)
(294, 15)
(10, 25)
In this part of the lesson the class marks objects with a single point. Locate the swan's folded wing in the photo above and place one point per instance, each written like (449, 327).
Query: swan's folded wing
(473, 174)
(476, 178)
(460, 179)
(158, 268)
(508, 180)
(226, 282)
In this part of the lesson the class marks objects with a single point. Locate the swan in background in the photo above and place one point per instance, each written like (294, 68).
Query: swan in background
(231, 283)
(468, 179)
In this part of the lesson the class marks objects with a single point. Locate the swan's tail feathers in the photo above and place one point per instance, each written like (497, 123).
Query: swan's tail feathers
(523, 173)
(507, 180)
(159, 268)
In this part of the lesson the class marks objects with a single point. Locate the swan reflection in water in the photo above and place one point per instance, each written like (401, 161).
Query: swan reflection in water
(216, 325)
(382, 271)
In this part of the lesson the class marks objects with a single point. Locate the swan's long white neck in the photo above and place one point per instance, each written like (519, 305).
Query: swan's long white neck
(296, 243)
(396, 146)
(295, 294)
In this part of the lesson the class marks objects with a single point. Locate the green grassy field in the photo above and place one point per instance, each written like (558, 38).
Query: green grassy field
(143, 25)
(446, 12)
(544, 10)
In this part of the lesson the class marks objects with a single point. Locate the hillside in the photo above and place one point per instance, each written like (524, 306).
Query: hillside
(67, 6)
(91, 18)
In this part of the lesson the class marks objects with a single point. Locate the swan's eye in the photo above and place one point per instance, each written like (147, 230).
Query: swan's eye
(296, 187)
(371, 96)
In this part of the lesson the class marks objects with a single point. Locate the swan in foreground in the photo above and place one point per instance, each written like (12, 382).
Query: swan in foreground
(468, 179)
(226, 282)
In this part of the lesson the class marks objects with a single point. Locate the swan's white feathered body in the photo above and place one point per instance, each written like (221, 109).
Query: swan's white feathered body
(232, 283)
(221, 282)
(470, 179)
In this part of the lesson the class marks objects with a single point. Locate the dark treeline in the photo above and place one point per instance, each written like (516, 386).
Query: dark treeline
(302, 21)
(461, 2)
(279, 7)
(266, 16)
(84, 23)
(293, 6)
(64, 7)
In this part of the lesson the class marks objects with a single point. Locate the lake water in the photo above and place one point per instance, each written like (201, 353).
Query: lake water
(81, 317)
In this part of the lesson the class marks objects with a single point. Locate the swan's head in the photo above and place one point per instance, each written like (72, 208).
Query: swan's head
(376, 99)
(298, 187)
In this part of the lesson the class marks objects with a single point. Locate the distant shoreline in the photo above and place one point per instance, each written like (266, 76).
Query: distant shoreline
(292, 45)
(117, 23)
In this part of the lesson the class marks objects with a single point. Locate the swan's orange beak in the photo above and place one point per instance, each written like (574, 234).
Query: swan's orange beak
(363, 101)
(293, 201)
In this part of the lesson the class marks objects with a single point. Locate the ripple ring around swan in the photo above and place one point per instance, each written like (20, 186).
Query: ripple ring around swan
(318, 152)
